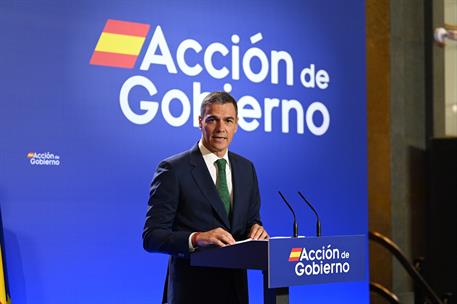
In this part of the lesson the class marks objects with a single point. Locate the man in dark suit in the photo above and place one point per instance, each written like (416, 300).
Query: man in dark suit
(201, 197)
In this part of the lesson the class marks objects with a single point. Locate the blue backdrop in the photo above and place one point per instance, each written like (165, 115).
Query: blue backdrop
(75, 166)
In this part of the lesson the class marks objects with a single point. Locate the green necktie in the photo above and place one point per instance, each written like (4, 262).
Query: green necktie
(221, 184)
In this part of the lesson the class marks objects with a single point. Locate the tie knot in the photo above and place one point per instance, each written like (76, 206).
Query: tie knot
(220, 163)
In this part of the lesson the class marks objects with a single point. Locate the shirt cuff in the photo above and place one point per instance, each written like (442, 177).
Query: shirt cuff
(191, 247)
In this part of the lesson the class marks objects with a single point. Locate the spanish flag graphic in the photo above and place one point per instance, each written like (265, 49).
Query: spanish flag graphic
(120, 44)
(4, 292)
(294, 254)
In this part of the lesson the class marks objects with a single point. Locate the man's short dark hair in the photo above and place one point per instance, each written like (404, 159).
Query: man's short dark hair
(217, 98)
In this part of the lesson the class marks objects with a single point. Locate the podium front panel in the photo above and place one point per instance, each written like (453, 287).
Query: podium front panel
(317, 260)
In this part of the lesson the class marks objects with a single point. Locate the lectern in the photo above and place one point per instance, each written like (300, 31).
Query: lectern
(288, 261)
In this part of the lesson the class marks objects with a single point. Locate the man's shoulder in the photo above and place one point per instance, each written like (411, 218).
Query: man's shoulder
(179, 158)
(239, 159)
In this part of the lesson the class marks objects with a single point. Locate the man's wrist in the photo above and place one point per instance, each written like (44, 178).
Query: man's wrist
(193, 239)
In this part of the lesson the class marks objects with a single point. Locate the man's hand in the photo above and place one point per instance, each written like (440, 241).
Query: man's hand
(258, 233)
(218, 237)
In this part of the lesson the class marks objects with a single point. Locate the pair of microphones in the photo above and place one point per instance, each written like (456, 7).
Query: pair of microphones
(295, 226)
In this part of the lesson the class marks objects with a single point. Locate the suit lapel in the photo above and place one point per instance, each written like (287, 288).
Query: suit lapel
(236, 184)
(204, 181)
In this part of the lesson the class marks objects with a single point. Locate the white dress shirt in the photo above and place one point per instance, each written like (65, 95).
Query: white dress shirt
(210, 159)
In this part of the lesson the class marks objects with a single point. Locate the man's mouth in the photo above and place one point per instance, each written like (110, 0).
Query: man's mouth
(219, 137)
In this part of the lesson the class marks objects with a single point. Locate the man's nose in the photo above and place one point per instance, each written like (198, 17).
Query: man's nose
(220, 126)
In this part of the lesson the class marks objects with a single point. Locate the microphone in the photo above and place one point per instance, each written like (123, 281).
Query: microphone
(295, 234)
(318, 222)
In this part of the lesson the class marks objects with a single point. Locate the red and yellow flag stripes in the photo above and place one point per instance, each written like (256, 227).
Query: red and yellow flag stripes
(295, 254)
(120, 44)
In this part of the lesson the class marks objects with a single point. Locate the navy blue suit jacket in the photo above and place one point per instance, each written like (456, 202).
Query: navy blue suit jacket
(183, 199)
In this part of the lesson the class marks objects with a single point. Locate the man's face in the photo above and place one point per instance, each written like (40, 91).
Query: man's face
(218, 126)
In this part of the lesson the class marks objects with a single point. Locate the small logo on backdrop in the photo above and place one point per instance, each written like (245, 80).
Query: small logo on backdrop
(43, 159)
(320, 261)
(120, 44)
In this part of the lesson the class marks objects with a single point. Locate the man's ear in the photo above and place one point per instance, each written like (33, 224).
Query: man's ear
(200, 119)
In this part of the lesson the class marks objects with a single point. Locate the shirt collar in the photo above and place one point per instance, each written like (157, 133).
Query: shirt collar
(210, 156)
